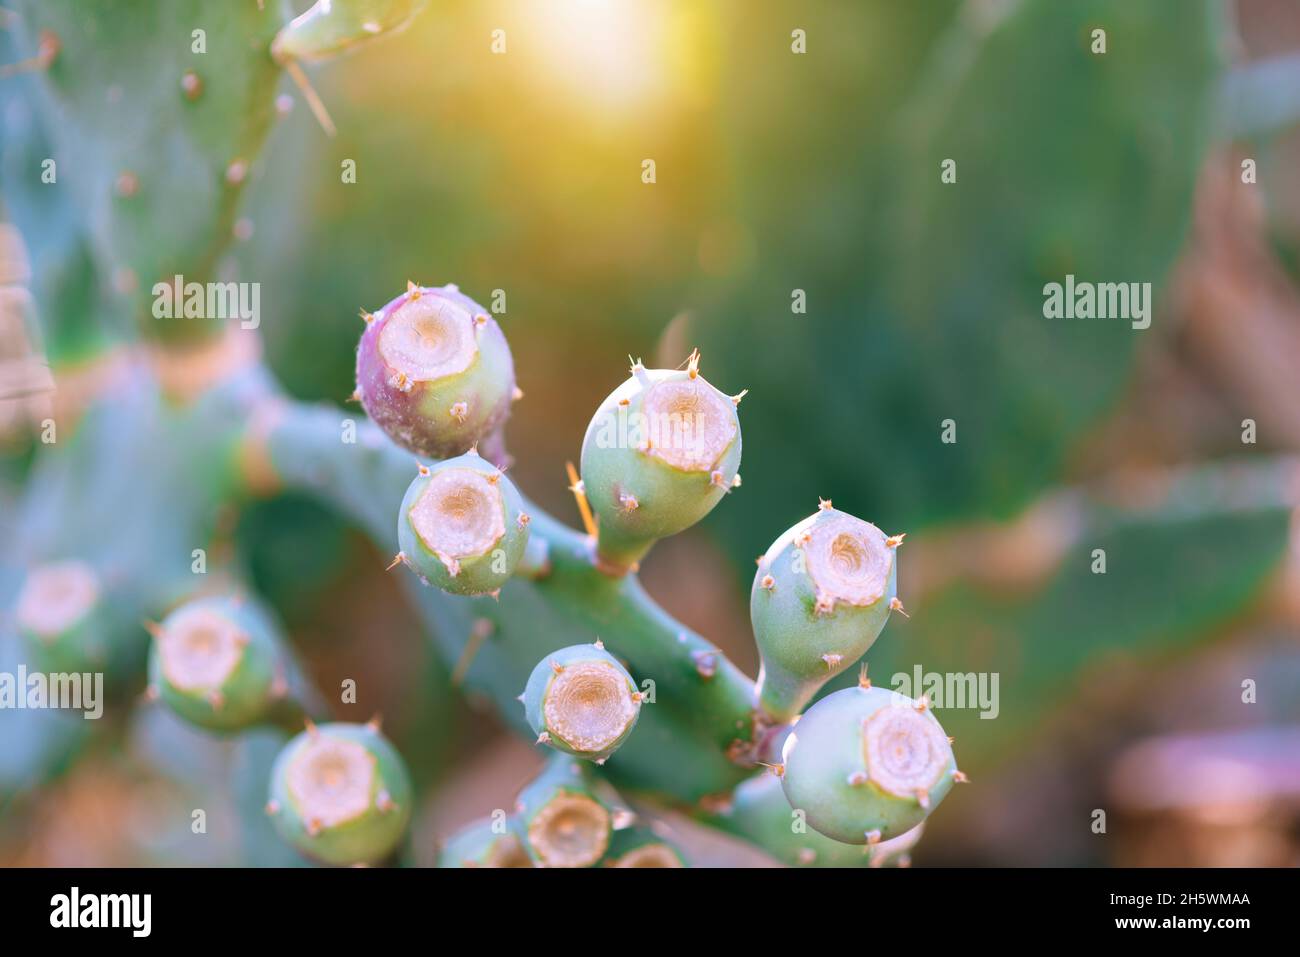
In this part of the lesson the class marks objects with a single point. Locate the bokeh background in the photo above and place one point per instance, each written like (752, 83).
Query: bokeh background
(777, 172)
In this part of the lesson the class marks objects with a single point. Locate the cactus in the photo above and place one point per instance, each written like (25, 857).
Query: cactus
(511, 596)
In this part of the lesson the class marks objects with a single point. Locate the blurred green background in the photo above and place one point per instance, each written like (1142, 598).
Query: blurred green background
(779, 173)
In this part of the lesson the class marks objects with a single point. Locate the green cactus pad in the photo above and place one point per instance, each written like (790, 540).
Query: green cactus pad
(658, 455)
(341, 794)
(867, 764)
(821, 596)
(582, 701)
(462, 527)
(218, 663)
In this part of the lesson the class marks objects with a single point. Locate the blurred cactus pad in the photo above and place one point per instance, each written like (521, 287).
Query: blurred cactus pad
(829, 229)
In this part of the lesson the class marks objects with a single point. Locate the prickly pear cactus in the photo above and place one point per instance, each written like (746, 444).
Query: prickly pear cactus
(639, 716)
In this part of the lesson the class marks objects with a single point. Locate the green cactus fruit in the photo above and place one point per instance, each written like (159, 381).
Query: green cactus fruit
(582, 701)
(218, 663)
(641, 847)
(821, 596)
(462, 527)
(659, 454)
(566, 816)
(58, 614)
(867, 764)
(484, 843)
(434, 371)
(341, 794)
(330, 27)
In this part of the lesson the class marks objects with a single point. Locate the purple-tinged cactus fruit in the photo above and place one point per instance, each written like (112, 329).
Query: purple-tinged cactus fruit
(867, 764)
(660, 452)
(218, 663)
(57, 615)
(566, 816)
(340, 793)
(434, 371)
(821, 596)
(641, 847)
(462, 527)
(582, 701)
(482, 844)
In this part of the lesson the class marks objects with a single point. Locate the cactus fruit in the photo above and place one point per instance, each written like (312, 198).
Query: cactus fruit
(641, 847)
(434, 371)
(461, 526)
(658, 455)
(566, 816)
(867, 764)
(482, 844)
(56, 614)
(341, 794)
(218, 663)
(581, 700)
(821, 595)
